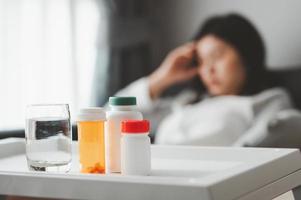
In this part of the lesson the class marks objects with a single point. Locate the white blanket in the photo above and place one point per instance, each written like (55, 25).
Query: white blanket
(218, 121)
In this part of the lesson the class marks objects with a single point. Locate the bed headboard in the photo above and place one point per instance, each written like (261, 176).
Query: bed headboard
(289, 79)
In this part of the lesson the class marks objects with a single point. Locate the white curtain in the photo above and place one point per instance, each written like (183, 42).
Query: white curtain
(47, 55)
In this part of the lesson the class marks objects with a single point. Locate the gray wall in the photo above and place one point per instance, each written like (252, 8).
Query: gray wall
(279, 21)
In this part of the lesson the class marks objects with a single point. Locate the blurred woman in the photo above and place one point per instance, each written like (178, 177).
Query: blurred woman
(230, 57)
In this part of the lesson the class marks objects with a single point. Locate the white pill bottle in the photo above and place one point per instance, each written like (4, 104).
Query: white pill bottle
(135, 148)
(121, 108)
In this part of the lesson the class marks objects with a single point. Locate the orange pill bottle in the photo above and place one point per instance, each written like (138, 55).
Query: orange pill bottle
(90, 126)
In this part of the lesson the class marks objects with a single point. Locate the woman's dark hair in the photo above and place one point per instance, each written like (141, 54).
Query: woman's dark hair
(243, 36)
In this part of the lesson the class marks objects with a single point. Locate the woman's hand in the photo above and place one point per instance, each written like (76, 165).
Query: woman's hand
(174, 69)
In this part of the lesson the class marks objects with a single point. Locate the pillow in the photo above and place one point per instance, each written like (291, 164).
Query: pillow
(282, 130)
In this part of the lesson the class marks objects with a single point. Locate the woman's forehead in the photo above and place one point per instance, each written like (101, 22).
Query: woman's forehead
(209, 44)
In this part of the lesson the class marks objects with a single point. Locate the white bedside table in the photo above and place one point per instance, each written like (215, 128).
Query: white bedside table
(178, 172)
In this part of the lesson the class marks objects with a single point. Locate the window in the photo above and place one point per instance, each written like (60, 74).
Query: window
(47, 54)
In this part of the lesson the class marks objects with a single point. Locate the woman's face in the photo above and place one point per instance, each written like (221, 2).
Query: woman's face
(220, 66)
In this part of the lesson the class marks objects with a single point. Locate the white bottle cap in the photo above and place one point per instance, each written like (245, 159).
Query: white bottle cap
(91, 114)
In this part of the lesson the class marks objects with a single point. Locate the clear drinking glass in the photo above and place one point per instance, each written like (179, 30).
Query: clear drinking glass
(48, 137)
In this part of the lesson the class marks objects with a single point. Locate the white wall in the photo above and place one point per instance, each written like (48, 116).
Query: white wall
(279, 21)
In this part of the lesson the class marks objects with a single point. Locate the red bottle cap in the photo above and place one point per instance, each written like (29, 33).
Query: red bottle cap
(135, 126)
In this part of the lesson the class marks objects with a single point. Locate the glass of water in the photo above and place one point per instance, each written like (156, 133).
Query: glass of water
(48, 137)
